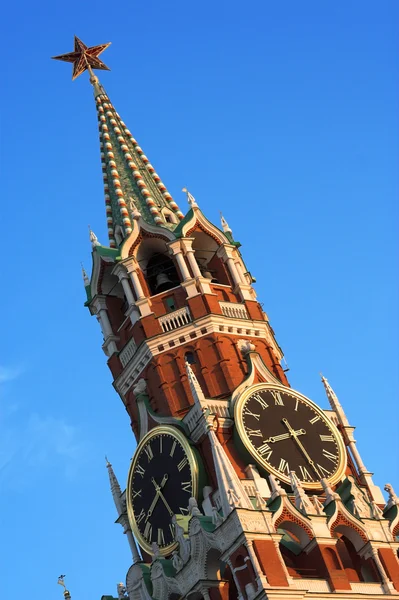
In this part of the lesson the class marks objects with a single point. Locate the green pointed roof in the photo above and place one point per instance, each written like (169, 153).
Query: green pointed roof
(131, 184)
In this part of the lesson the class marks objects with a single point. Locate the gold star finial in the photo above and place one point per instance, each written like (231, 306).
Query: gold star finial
(84, 58)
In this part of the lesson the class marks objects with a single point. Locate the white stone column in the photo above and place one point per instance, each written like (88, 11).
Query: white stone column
(100, 310)
(142, 302)
(385, 579)
(187, 245)
(257, 568)
(240, 596)
(176, 250)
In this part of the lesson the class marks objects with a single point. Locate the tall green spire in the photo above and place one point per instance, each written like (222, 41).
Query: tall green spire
(131, 185)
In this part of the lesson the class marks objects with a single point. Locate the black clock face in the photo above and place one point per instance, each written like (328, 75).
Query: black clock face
(286, 432)
(161, 482)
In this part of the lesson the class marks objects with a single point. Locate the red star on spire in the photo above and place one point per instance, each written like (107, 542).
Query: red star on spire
(84, 58)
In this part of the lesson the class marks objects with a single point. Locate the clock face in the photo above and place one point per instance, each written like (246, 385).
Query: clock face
(284, 431)
(162, 479)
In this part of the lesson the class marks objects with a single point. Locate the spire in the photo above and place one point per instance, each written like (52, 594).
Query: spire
(86, 280)
(61, 581)
(231, 490)
(115, 487)
(225, 225)
(195, 387)
(127, 172)
(334, 402)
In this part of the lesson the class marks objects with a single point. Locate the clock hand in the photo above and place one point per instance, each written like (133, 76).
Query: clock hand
(158, 488)
(160, 495)
(283, 436)
(293, 434)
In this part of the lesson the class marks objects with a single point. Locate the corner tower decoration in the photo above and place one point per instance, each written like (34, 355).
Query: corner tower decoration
(240, 487)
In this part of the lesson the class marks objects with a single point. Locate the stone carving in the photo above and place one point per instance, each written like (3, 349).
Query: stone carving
(245, 346)
(93, 239)
(136, 214)
(140, 387)
(376, 511)
(277, 490)
(330, 495)
(359, 505)
(217, 519)
(233, 499)
(121, 590)
(393, 499)
(260, 502)
(302, 502)
(177, 562)
(190, 198)
(184, 543)
(193, 509)
(155, 551)
(318, 505)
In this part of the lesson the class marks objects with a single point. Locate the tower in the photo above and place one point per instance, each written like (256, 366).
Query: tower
(240, 487)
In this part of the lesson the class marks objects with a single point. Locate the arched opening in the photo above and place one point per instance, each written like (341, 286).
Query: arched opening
(356, 567)
(169, 217)
(211, 266)
(190, 358)
(213, 564)
(117, 304)
(291, 547)
(157, 266)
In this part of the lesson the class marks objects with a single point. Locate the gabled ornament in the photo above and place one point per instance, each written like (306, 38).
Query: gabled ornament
(302, 502)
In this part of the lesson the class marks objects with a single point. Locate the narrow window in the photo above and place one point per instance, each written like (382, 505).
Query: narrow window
(190, 358)
(170, 303)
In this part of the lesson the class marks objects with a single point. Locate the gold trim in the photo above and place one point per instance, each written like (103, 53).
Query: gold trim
(169, 430)
(251, 449)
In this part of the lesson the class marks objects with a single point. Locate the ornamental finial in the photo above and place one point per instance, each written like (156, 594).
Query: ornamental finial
(93, 239)
(86, 280)
(225, 226)
(190, 198)
(61, 581)
(84, 58)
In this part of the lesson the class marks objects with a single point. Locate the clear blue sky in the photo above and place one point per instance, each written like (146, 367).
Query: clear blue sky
(282, 115)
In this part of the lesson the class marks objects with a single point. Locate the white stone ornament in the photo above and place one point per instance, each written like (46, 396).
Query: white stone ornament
(217, 519)
(93, 239)
(393, 499)
(330, 495)
(121, 590)
(140, 387)
(318, 505)
(184, 543)
(245, 346)
(260, 502)
(190, 198)
(155, 551)
(302, 502)
(193, 509)
(177, 562)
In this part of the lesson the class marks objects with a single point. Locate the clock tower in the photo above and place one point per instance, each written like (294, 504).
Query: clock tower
(240, 487)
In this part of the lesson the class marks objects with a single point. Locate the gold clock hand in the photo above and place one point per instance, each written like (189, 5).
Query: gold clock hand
(157, 495)
(160, 495)
(284, 436)
(294, 435)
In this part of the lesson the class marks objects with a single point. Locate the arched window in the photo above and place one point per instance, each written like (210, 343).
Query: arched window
(190, 358)
(161, 274)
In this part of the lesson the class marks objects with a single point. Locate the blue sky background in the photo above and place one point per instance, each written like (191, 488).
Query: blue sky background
(282, 115)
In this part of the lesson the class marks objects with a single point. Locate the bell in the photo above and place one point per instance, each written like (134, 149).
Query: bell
(163, 283)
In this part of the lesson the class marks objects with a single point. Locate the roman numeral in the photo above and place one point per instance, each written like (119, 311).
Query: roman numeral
(135, 494)
(330, 455)
(305, 475)
(184, 511)
(251, 414)
(140, 470)
(172, 451)
(254, 432)
(186, 486)
(314, 420)
(140, 516)
(182, 464)
(284, 466)
(261, 401)
(326, 438)
(149, 452)
(296, 404)
(265, 451)
(160, 538)
(278, 401)
(323, 470)
(147, 531)
(160, 444)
